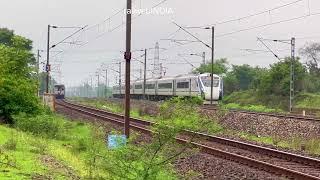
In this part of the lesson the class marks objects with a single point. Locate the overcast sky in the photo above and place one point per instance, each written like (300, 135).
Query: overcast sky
(98, 45)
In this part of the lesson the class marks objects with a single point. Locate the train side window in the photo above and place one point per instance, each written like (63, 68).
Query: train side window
(150, 86)
(183, 85)
(138, 86)
(165, 85)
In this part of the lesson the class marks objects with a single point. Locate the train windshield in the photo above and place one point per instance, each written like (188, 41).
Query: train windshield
(207, 81)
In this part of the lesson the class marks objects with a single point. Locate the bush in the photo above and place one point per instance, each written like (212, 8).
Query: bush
(44, 125)
(254, 108)
(182, 113)
(17, 95)
(6, 160)
(11, 144)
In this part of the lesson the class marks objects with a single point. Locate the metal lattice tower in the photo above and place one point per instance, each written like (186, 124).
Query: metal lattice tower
(156, 62)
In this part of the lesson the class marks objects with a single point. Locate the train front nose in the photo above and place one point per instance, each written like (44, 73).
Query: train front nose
(215, 93)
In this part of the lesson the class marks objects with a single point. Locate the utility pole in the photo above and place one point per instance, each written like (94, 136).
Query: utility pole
(48, 65)
(204, 58)
(91, 92)
(293, 44)
(98, 85)
(120, 77)
(38, 62)
(145, 74)
(106, 84)
(127, 57)
(212, 61)
(87, 88)
(161, 70)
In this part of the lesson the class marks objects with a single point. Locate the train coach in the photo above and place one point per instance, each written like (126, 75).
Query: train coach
(59, 91)
(167, 87)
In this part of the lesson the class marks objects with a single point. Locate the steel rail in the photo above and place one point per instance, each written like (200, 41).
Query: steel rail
(210, 150)
(300, 117)
(267, 151)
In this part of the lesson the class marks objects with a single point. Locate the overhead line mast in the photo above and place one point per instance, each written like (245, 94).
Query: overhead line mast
(127, 57)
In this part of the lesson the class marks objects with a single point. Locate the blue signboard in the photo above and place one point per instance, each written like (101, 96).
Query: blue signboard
(116, 141)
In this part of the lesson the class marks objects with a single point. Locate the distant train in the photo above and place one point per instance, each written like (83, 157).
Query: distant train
(167, 87)
(59, 91)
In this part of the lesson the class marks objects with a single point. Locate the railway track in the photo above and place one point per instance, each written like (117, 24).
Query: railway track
(270, 160)
(292, 116)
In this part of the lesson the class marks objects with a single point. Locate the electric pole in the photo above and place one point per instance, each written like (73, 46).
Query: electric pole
(47, 65)
(87, 88)
(98, 85)
(204, 58)
(293, 43)
(127, 57)
(106, 83)
(161, 70)
(38, 62)
(120, 77)
(145, 74)
(212, 61)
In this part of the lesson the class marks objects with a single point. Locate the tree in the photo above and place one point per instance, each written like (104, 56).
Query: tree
(17, 83)
(312, 53)
(219, 67)
(17, 95)
(242, 77)
(6, 36)
(277, 80)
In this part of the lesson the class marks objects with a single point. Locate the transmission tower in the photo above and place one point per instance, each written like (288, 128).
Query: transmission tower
(156, 62)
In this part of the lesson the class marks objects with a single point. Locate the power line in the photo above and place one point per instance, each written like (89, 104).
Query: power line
(193, 35)
(68, 37)
(249, 16)
(108, 18)
(268, 48)
(123, 23)
(269, 24)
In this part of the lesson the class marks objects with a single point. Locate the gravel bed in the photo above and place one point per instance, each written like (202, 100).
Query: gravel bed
(263, 125)
(266, 158)
(206, 166)
(211, 167)
(303, 153)
(233, 121)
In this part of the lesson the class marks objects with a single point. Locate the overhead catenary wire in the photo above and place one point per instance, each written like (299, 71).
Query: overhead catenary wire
(122, 23)
(247, 16)
(259, 39)
(68, 37)
(269, 24)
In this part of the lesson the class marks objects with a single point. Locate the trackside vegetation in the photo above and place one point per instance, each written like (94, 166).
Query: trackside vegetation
(72, 150)
(48, 146)
(17, 76)
(38, 144)
(183, 111)
(180, 111)
(249, 86)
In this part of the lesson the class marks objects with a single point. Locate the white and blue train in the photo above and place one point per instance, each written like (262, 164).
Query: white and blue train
(167, 87)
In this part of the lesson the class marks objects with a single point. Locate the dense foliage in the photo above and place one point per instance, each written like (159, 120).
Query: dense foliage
(219, 67)
(17, 81)
(269, 86)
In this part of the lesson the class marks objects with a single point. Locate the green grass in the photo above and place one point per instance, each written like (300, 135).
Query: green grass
(310, 146)
(308, 100)
(30, 149)
(251, 100)
(254, 108)
(75, 147)
(27, 162)
(193, 121)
